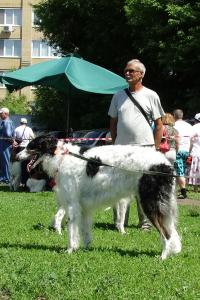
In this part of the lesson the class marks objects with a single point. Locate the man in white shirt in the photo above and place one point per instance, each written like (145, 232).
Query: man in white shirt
(127, 123)
(23, 133)
(185, 133)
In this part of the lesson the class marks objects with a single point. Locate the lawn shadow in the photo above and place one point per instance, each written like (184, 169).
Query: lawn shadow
(58, 249)
(104, 226)
(33, 246)
(4, 188)
(110, 226)
(121, 252)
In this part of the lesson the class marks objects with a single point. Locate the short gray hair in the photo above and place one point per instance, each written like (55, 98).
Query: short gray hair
(140, 65)
(178, 114)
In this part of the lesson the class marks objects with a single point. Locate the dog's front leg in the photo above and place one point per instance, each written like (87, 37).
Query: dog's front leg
(73, 228)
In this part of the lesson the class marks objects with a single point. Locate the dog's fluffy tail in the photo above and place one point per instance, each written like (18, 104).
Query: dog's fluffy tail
(157, 198)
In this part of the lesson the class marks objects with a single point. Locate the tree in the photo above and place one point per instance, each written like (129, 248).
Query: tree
(167, 34)
(89, 28)
(51, 107)
(98, 30)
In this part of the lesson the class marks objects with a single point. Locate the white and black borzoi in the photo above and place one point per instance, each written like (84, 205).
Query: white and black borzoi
(84, 185)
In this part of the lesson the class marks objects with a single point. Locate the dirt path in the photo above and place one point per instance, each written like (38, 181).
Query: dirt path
(191, 202)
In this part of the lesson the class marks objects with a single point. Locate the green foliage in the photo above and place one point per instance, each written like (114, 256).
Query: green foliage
(97, 29)
(194, 212)
(86, 111)
(49, 107)
(16, 104)
(170, 41)
(34, 264)
(165, 35)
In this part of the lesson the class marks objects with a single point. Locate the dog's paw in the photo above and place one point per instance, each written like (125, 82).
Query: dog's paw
(171, 251)
(87, 245)
(120, 228)
(70, 250)
(163, 256)
(54, 228)
(58, 230)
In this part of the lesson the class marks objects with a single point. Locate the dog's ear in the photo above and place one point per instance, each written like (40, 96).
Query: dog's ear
(48, 145)
(44, 144)
(35, 143)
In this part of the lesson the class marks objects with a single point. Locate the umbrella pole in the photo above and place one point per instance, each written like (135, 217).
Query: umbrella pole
(68, 109)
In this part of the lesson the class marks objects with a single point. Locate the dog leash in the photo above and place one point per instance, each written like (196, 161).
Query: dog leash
(95, 161)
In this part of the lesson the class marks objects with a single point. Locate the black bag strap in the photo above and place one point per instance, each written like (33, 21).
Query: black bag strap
(138, 105)
(23, 132)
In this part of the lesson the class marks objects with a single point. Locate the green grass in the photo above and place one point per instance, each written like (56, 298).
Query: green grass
(191, 194)
(34, 264)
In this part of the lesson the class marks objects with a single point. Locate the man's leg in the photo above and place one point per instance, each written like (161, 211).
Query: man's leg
(180, 166)
(182, 184)
(5, 160)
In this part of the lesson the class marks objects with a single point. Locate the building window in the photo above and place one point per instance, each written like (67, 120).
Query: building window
(1, 84)
(10, 48)
(35, 19)
(10, 16)
(42, 49)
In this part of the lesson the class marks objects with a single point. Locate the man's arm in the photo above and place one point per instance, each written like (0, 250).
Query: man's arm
(8, 129)
(113, 128)
(158, 131)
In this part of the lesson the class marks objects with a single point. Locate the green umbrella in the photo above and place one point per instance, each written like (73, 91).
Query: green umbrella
(62, 74)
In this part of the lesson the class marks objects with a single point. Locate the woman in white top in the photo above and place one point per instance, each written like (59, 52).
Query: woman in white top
(194, 178)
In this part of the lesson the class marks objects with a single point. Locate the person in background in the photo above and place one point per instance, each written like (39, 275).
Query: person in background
(23, 134)
(129, 126)
(172, 136)
(185, 133)
(6, 140)
(194, 176)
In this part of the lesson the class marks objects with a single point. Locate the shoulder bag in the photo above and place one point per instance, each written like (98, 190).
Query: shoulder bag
(20, 139)
(165, 143)
(138, 105)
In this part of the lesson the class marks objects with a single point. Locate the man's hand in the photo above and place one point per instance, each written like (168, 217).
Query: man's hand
(158, 132)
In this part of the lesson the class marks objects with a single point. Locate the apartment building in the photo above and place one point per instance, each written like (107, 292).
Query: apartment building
(20, 43)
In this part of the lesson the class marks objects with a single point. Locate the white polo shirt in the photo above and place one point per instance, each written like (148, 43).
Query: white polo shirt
(132, 127)
(185, 133)
(24, 132)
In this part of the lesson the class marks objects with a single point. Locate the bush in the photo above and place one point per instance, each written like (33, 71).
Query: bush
(16, 104)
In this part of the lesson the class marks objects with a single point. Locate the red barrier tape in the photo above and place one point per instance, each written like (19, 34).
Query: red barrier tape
(101, 139)
(85, 139)
(68, 139)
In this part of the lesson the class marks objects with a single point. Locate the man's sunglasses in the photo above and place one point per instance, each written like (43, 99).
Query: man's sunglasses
(130, 71)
